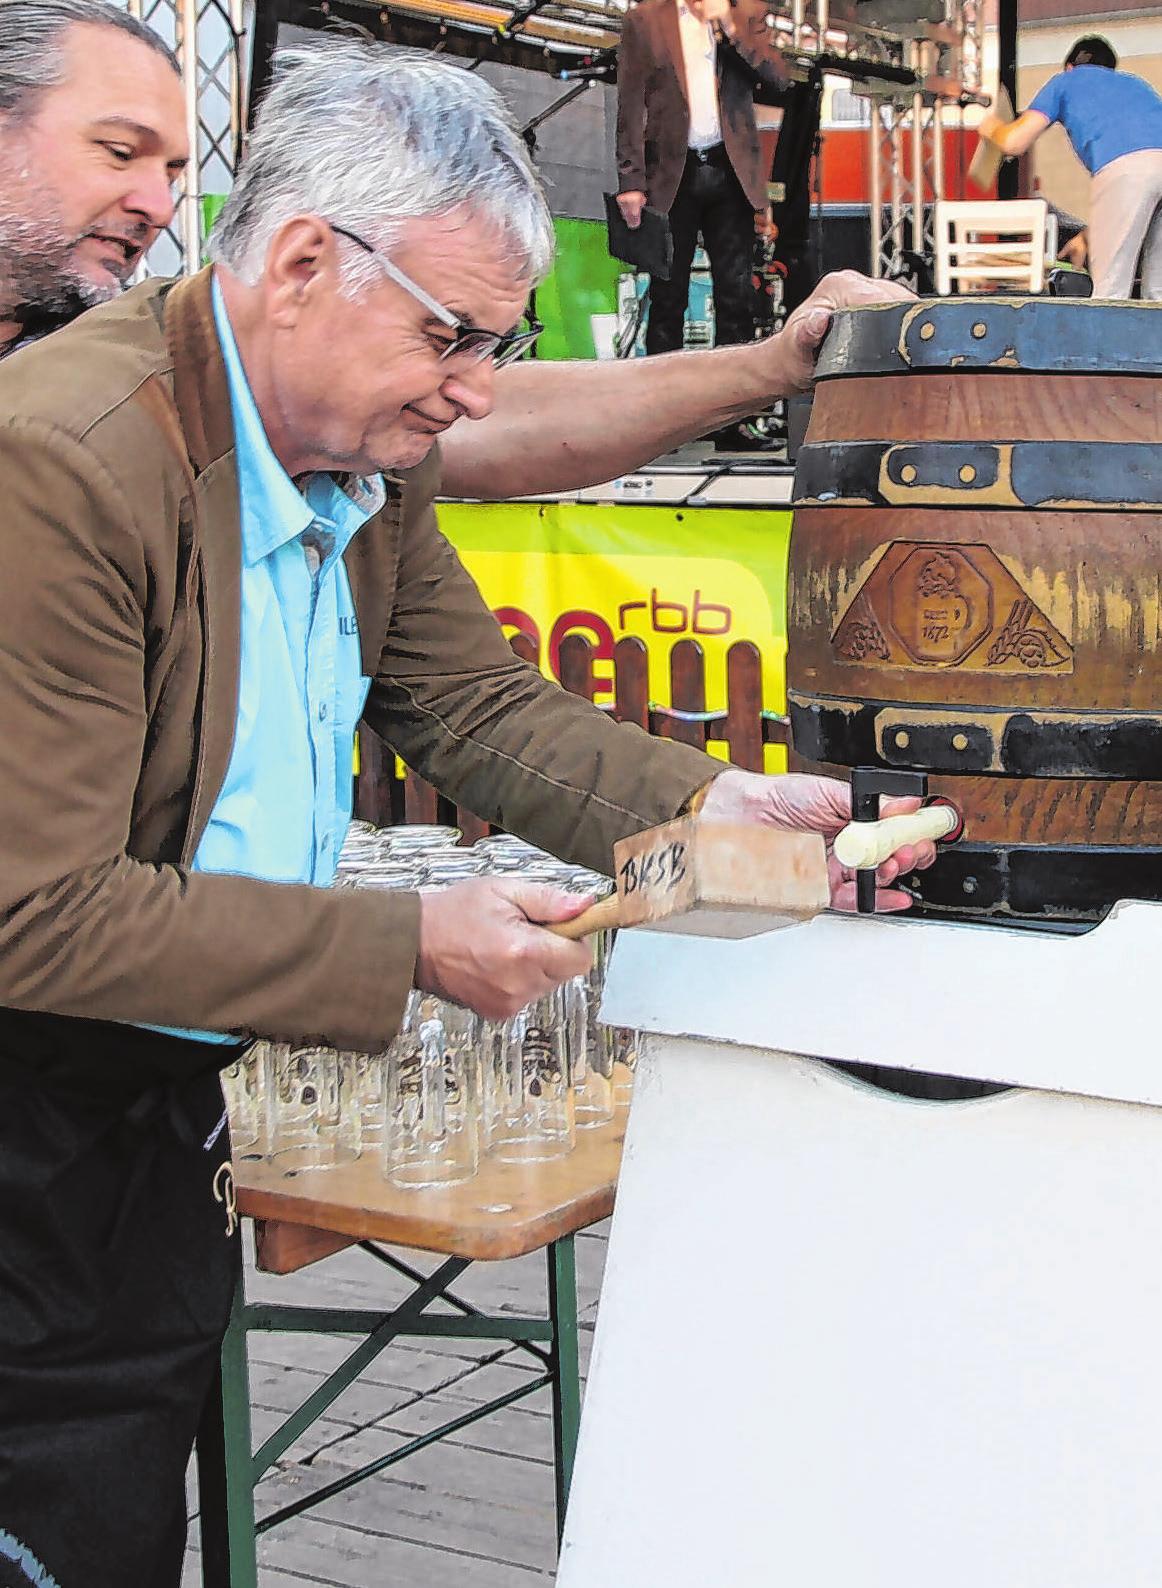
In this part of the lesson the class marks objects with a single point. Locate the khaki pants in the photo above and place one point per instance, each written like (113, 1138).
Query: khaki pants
(1125, 224)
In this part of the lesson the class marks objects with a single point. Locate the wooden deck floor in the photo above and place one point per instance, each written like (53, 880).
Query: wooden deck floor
(475, 1511)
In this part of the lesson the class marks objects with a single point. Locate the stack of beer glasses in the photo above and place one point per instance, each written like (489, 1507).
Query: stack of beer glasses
(452, 1087)
(293, 1105)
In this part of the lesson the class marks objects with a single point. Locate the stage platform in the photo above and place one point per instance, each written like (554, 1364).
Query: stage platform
(697, 476)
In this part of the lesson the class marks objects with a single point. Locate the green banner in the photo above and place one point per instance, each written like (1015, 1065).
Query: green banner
(583, 281)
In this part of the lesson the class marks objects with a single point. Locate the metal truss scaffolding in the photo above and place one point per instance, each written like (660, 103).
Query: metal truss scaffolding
(209, 38)
(906, 137)
(911, 58)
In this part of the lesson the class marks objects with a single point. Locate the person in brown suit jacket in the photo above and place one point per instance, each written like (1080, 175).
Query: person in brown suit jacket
(127, 477)
(688, 145)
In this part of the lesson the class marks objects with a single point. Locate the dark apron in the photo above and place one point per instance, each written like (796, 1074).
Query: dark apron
(118, 1260)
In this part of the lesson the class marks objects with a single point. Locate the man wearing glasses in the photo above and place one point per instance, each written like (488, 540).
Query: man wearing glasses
(219, 555)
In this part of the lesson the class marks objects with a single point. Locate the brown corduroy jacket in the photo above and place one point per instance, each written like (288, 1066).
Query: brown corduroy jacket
(119, 656)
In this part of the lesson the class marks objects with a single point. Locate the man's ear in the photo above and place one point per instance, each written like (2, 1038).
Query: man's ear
(302, 260)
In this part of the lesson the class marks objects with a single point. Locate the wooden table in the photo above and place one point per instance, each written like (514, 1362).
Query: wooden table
(507, 1210)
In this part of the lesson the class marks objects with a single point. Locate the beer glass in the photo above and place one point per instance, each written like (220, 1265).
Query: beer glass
(431, 1097)
(314, 1117)
(366, 1072)
(530, 1115)
(625, 1046)
(412, 836)
(244, 1088)
(592, 1048)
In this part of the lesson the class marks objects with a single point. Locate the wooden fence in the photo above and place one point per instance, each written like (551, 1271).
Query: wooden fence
(386, 799)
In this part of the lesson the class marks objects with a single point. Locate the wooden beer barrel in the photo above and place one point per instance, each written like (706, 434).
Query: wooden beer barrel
(975, 587)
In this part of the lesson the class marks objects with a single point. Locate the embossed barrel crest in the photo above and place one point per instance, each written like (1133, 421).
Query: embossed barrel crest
(975, 587)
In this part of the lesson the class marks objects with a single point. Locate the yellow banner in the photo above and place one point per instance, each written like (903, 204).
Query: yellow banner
(714, 576)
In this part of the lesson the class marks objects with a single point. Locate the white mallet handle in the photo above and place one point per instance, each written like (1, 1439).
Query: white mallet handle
(866, 844)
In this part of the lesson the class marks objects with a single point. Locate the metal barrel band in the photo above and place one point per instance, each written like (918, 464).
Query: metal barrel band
(1050, 335)
(1105, 476)
(1036, 884)
(978, 739)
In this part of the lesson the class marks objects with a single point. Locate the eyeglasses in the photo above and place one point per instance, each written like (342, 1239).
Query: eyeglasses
(469, 342)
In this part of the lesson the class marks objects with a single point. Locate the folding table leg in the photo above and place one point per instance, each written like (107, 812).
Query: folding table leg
(225, 1468)
(566, 1367)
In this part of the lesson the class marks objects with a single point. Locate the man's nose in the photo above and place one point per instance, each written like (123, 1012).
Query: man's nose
(471, 386)
(151, 196)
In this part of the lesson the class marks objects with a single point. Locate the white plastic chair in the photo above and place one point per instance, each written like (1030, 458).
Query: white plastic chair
(993, 243)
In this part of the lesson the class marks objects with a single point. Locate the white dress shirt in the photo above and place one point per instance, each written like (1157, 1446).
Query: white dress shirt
(699, 54)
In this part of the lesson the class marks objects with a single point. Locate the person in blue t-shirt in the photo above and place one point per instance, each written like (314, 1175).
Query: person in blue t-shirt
(1114, 122)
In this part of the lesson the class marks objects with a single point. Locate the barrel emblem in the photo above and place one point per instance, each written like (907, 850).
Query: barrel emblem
(944, 605)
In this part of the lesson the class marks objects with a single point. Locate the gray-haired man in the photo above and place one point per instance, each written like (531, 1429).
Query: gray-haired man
(92, 137)
(219, 554)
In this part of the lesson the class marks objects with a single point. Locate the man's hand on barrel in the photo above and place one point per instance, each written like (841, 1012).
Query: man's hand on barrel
(481, 947)
(797, 345)
(820, 805)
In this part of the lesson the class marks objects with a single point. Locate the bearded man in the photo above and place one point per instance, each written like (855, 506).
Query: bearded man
(92, 139)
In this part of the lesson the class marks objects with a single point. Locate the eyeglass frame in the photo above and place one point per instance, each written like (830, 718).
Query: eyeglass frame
(502, 347)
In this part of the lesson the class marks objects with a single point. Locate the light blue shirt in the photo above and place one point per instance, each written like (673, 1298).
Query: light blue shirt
(285, 805)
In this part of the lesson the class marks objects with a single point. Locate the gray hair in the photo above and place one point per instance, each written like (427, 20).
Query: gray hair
(371, 136)
(32, 45)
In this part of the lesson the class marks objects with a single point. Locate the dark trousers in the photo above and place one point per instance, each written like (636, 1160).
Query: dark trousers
(118, 1261)
(709, 200)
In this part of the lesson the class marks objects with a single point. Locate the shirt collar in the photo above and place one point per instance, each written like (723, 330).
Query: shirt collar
(273, 510)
